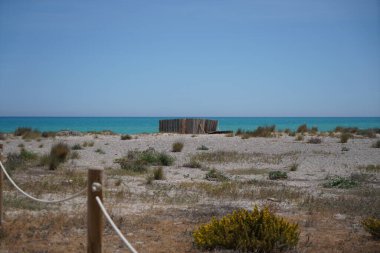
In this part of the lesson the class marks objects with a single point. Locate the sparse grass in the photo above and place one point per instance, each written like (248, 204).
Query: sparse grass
(294, 167)
(344, 137)
(100, 151)
(76, 147)
(276, 175)
(371, 168)
(314, 140)
(74, 155)
(158, 173)
(203, 147)
(376, 144)
(248, 171)
(126, 137)
(48, 134)
(88, 144)
(177, 146)
(215, 175)
(31, 135)
(20, 131)
(20, 160)
(138, 161)
(372, 226)
(261, 131)
(21, 203)
(193, 164)
(339, 182)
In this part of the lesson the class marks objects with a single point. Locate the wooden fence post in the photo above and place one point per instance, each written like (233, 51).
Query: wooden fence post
(94, 213)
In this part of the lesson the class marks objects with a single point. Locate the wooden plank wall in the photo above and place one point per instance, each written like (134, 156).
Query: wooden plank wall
(188, 126)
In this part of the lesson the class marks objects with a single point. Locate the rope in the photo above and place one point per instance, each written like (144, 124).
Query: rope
(36, 199)
(129, 246)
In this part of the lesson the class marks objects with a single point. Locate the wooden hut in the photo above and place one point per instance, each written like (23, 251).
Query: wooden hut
(188, 126)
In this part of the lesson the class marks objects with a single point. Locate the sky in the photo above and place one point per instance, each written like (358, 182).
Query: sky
(190, 58)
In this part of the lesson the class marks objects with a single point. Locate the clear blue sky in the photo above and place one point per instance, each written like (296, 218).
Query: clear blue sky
(190, 58)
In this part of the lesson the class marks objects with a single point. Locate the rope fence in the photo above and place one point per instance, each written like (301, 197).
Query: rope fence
(94, 195)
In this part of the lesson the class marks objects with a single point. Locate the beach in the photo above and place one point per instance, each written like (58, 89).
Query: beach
(160, 215)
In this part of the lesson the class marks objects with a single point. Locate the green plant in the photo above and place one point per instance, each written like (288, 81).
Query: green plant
(339, 182)
(138, 161)
(261, 131)
(248, 231)
(177, 146)
(58, 154)
(158, 173)
(275, 175)
(20, 131)
(376, 144)
(299, 137)
(302, 129)
(372, 226)
(193, 164)
(203, 147)
(294, 166)
(33, 134)
(215, 175)
(28, 155)
(315, 140)
(126, 137)
(344, 137)
(100, 151)
(76, 147)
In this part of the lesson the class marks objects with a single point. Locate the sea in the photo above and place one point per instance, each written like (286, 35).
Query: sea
(134, 125)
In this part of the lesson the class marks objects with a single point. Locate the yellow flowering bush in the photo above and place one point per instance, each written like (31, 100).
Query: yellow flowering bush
(243, 230)
(372, 226)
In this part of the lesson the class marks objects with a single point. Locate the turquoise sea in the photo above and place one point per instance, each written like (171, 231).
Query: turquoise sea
(134, 125)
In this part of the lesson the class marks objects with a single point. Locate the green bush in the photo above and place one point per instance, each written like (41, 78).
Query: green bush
(20, 160)
(344, 137)
(302, 129)
(126, 137)
(275, 175)
(215, 175)
(315, 140)
(340, 182)
(138, 161)
(248, 231)
(177, 146)
(261, 131)
(58, 154)
(376, 144)
(372, 226)
(20, 131)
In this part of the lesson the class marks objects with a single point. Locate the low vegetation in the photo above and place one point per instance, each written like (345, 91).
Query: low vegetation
(370, 132)
(371, 168)
(302, 129)
(100, 151)
(76, 147)
(177, 146)
(193, 164)
(261, 131)
(59, 153)
(372, 226)
(314, 140)
(344, 137)
(299, 137)
(88, 144)
(20, 160)
(248, 231)
(340, 182)
(126, 137)
(294, 167)
(276, 175)
(376, 144)
(139, 161)
(215, 175)
(203, 147)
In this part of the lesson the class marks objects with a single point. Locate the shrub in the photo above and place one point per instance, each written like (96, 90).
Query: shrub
(302, 129)
(27, 155)
(88, 144)
(214, 175)
(20, 131)
(248, 231)
(345, 149)
(265, 131)
(48, 134)
(275, 175)
(58, 154)
(158, 173)
(372, 226)
(203, 147)
(376, 144)
(193, 164)
(314, 130)
(294, 167)
(3, 137)
(100, 151)
(20, 160)
(344, 137)
(34, 134)
(75, 155)
(126, 137)
(340, 182)
(314, 140)
(177, 147)
(76, 147)
(299, 137)
(138, 161)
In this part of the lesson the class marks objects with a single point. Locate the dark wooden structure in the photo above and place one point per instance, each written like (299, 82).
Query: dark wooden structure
(188, 126)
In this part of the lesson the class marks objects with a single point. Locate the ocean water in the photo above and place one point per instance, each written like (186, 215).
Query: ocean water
(135, 125)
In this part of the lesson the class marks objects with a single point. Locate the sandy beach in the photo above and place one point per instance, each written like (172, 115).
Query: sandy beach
(159, 216)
